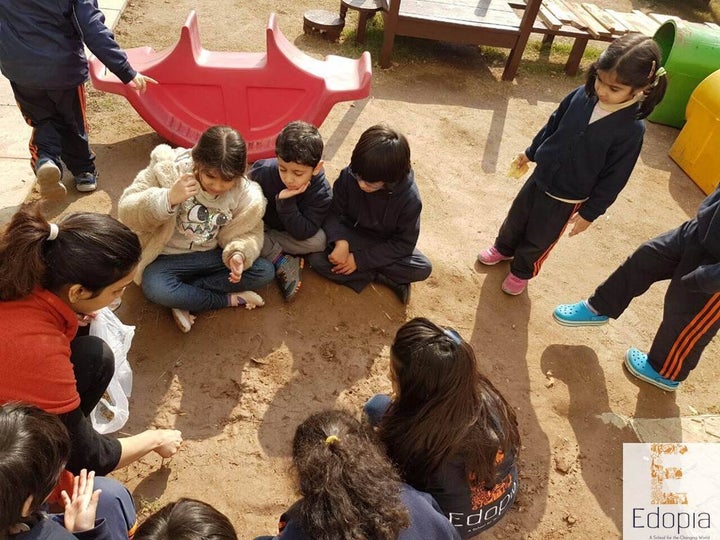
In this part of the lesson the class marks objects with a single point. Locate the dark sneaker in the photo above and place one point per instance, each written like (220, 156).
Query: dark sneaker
(49, 180)
(86, 182)
(288, 271)
(401, 290)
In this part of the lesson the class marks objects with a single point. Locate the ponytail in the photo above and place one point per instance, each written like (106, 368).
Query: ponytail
(93, 250)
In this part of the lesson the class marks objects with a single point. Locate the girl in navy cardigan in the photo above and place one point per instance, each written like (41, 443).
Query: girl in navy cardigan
(584, 156)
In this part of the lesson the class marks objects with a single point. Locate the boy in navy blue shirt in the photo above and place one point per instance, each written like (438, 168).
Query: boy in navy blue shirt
(374, 221)
(298, 197)
(42, 54)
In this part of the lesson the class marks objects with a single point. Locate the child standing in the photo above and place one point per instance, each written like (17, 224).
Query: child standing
(42, 53)
(584, 155)
(350, 489)
(298, 199)
(689, 257)
(374, 221)
(52, 275)
(447, 428)
(199, 220)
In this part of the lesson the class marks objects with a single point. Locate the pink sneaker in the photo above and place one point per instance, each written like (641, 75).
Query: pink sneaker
(514, 285)
(491, 255)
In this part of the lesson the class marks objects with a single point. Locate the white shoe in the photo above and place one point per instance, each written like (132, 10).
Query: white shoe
(248, 300)
(49, 180)
(183, 319)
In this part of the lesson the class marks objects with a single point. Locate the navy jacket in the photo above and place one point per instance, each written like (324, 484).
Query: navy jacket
(426, 521)
(302, 215)
(48, 529)
(390, 219)
(706, 278)
(576, 160)
(41, 43)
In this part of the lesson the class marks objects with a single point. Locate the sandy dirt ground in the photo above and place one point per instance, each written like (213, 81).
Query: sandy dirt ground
(240, 382)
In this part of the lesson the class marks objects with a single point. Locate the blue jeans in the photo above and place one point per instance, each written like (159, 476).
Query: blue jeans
(198, 281)
(376, 407)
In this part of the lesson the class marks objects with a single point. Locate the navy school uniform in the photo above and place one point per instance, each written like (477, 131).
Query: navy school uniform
(689, 257)
(382, 229)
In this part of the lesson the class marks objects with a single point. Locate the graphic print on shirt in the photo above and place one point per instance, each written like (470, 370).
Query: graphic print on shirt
(198, 223)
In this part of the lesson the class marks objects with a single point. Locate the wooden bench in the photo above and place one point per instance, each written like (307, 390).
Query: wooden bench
(476, 22)
(586, 21)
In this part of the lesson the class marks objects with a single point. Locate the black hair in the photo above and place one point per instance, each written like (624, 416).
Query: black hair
(93, 250)
(382, 154)
(223, 149)
(350, 489)
(444, 407)
(186, 519)
(34, 447)
(300, 142)
(635, 59)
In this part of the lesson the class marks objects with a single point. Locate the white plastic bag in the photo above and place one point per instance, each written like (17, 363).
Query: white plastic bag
(112, 411)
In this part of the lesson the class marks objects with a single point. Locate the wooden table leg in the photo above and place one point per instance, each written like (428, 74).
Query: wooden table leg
(576, 54)
(363, 18)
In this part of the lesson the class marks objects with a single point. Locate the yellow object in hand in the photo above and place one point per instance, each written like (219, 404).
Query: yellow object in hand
(516, 170)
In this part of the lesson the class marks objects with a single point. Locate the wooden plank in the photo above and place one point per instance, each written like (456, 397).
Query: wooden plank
(607, 20)
(578, 18)
(594, 24)
(548, 18)
(662, 18)
(624, 18)
(618, 22)
(562, 14)
(649, 26)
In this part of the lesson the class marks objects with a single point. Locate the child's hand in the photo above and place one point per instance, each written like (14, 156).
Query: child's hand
(287, 193)
(340, 253)
(80, 508)
(237, 265)
(579, 224)
(170, 441)
(141, 81)
(346, 268)
(184, 187)
(521, 159)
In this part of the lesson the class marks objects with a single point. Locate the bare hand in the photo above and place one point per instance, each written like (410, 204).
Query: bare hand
(237, 265)
(170, 441)
(287, 193)
(521, 159)
(184, 187)
(141, 81)
(579, 224)
(340, 253)
(346, 268)
(81, 507)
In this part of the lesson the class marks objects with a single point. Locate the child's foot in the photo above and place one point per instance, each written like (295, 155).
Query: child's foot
(288, 271)
(401, 290)
(514, 285)
(490, 256)
(637, 364)
(49, 180)
(578, 314)
(183, 319)
(246, 299)
(86, 182)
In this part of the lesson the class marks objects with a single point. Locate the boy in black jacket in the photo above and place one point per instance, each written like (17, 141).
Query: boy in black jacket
(374, 221)
(42, 54)
(689, 257)
(298, 197)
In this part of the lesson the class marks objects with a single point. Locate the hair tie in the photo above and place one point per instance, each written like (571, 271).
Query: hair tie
(453, 335)
(332, 439)
(659, 73)
(54, 231)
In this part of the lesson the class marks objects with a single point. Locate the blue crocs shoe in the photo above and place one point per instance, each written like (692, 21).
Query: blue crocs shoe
(578, 314)
(637, 363)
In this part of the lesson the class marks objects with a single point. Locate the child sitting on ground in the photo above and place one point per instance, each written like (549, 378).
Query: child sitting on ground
(298, 199)
(199, 220)
(374, 221)
(584, 155)
(447, 428)
(186, 519)
(350, 489)
(34, 447)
